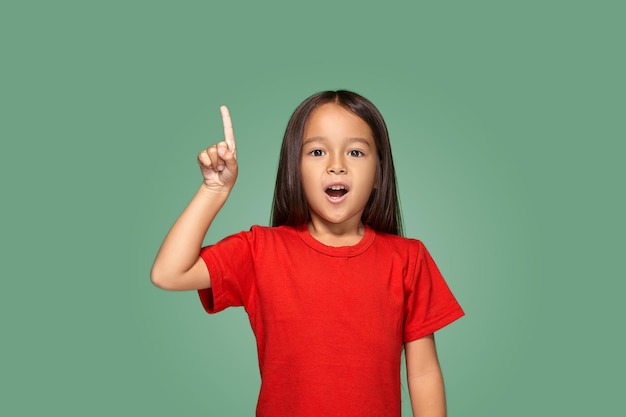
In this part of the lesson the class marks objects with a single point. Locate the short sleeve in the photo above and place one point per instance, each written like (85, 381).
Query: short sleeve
(429, 303)
(230, 265)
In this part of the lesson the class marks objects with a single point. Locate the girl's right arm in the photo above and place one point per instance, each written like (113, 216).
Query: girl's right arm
(178, 265)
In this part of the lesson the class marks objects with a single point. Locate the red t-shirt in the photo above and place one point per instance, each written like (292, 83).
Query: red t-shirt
(330, 322)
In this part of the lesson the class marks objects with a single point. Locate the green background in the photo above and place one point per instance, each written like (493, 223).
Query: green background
(507, 125)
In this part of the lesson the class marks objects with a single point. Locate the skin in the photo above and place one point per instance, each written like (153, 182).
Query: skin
(178, 265)
(338, 148)
(424, 378)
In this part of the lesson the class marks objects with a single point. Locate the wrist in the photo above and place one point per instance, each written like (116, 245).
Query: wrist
(214, 192)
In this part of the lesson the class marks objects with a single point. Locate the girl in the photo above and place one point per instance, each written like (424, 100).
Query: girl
(332, 290)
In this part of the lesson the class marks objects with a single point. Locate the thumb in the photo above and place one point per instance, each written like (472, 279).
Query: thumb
(227, 156)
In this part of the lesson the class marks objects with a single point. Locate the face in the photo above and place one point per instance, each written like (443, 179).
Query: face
(338, 166)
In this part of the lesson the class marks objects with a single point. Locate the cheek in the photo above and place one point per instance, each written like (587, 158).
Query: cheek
(375, 175)
(306, 180)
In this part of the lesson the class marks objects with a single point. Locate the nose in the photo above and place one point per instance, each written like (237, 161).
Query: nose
(336, 166)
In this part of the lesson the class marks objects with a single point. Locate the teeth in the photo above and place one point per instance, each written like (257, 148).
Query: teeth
(336, 187)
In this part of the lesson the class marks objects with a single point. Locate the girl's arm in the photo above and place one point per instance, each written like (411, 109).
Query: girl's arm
(424, 378)
(178, 265)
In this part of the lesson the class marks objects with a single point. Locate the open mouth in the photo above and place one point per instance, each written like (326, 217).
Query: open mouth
(336, 191)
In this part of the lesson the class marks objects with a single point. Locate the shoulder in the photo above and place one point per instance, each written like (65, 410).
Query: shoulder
(272, 231)
(258, 239)
(412, 252)
(260, 231)
(264, 235)
(399, 242)
(257, 233)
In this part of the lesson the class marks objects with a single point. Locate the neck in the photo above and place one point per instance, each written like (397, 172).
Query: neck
(330, 234)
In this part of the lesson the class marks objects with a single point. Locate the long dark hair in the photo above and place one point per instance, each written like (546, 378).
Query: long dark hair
(382, 211)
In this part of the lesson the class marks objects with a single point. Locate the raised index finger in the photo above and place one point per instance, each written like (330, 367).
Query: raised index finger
(229, 135)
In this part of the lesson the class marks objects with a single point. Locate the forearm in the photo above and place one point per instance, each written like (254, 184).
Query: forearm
(180, 250)
(424, 378)
(427, 394)
(178, 265)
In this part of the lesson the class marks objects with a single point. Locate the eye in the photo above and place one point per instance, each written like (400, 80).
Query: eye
(356, 153)
(316, 152)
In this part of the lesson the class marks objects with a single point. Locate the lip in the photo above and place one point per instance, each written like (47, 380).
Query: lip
(336, 200)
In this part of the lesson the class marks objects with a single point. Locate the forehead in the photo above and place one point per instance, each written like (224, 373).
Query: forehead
(331, 120)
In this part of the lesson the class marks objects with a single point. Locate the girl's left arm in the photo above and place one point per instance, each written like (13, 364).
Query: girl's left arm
(424, 378)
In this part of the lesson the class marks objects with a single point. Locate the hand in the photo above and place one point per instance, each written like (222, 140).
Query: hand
(218, 162)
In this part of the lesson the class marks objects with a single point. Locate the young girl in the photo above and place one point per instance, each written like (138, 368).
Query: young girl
(332, 290)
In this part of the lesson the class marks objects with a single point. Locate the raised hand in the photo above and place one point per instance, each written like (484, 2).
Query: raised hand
(178, 265)
(218, 163)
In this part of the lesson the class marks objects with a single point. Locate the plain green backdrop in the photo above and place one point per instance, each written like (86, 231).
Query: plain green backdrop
(507, 126)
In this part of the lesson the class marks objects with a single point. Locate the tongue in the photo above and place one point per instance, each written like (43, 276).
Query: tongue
(336, 193)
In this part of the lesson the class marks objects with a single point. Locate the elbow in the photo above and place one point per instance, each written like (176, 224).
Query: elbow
(159, 279)
(170, 279)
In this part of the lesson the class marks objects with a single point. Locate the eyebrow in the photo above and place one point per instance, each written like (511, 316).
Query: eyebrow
(323, 139)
